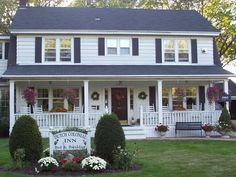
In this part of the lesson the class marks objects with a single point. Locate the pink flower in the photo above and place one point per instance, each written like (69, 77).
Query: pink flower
(29, 95)
(76, 159)
(63, 161)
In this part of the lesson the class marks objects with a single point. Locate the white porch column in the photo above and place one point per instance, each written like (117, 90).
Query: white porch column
(86, 103)
(12, 104)
(159, 96)
(226, 90)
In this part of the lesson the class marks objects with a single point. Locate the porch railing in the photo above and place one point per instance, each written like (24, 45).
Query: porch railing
(170, 118)
(62, 120)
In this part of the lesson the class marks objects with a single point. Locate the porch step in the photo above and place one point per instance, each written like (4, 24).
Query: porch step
(132, 132)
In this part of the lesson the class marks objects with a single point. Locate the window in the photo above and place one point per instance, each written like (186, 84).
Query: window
(124, 47)
(58, 100)
(4, 105)
(176, 50)
(43, 99)
(50, 49)
(65, 50)
(183, 49)
(191, 97)
(169, 50)
(57, 49)
(131, 99)
(1, 50)
(118, 46)
(177, 97)
(71, 105)
(112, 47)
(165, 96)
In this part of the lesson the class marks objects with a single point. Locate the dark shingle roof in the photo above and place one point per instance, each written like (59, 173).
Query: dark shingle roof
(114, 70)
(110, 19)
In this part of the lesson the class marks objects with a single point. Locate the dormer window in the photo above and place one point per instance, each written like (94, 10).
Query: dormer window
(57, 49)
(118, 46)
(176, 50)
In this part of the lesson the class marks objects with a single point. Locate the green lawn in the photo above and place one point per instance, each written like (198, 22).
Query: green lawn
(169, 158)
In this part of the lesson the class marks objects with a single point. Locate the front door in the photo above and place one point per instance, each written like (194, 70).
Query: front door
(119, 103)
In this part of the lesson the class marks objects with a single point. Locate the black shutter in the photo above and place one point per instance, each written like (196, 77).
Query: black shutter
(202, 97)
(194, 50)
(135, 47)
(6, 49)
(152, 96)
(101, 46)
(158, 51)
(38, 50)
(12, 51)
(77, 53)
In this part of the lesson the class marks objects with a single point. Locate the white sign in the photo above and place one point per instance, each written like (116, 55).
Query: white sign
(69, 140)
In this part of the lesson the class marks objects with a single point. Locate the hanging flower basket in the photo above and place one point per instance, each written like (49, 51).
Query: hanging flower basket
(29, 95)
(142, 95)
(213, 94)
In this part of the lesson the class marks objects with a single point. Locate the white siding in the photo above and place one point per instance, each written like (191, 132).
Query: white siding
(89, 53)
(205, 58)
(25, 50)
(3, 66)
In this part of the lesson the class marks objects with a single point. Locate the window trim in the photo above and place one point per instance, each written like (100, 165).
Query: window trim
(3, 50)
(58, 49)
(176, 49)
(118, 46)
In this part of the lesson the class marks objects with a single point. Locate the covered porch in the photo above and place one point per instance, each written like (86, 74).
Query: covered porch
(140, 104)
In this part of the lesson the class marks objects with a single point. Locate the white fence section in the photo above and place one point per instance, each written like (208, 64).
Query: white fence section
(170, 118)
(63, 120)
(150, 118)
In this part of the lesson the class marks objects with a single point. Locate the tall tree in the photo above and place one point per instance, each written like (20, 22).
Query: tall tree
(104, 3)
(8, 9)
(221, 13)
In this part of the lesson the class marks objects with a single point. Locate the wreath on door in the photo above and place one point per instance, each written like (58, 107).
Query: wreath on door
(95, 96)
(142, 95)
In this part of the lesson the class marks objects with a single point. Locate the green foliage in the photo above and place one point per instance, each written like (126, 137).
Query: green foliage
(225, 124)
(19, 157)
(109, 135)
(25, 134)
(123, 158)
(59, 155)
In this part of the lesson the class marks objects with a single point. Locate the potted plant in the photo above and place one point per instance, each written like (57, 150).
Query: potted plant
(208, 128)
(224, 126)
(29, 95)
(213, 94)
(161, 129)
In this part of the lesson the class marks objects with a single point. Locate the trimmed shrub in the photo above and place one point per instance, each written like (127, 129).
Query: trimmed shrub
(108, 136)
(25, 135)
(225, 124)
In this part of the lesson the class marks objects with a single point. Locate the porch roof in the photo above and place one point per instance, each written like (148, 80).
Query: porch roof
(114, 70)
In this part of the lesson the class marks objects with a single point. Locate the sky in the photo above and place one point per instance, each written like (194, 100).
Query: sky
(232, 69)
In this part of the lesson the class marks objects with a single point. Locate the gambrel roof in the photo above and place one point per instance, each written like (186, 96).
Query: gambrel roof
(114, 19)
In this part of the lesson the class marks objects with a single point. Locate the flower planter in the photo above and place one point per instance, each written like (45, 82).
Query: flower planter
(208, 134)
(162, 134)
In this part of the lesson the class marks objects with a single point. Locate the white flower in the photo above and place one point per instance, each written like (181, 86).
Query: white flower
(94, 163)
(46, 161)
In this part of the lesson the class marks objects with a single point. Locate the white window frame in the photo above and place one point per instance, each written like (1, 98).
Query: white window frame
(3, 50)
(176, 48)
(118, 46)
(58, 49)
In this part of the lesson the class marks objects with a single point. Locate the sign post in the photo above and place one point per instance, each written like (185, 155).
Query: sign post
(69, 140)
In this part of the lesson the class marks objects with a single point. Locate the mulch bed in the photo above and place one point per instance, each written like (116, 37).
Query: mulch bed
(61, 172)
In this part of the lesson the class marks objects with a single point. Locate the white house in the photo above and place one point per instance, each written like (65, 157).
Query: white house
(132, 62)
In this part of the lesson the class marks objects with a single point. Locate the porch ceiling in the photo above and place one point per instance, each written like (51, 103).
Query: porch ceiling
(138, 71)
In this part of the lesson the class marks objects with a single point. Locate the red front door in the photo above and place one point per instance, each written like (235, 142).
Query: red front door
(119, 103)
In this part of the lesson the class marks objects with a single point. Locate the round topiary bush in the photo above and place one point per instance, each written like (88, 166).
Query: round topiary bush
(108, 136)
(25, 135)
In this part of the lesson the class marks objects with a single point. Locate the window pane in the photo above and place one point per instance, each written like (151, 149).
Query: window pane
(165, 92)
(169, 50)
(191, 102)
(124, 51)
(57, 93)
(111, 43)
(183, 50)
(58, 103)
(65, 50)
(112, 51)
(124, 43)
(50, 49)
(43, 103)
(165, 101)
(191, 91)
(1, 45)
(42, 93)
